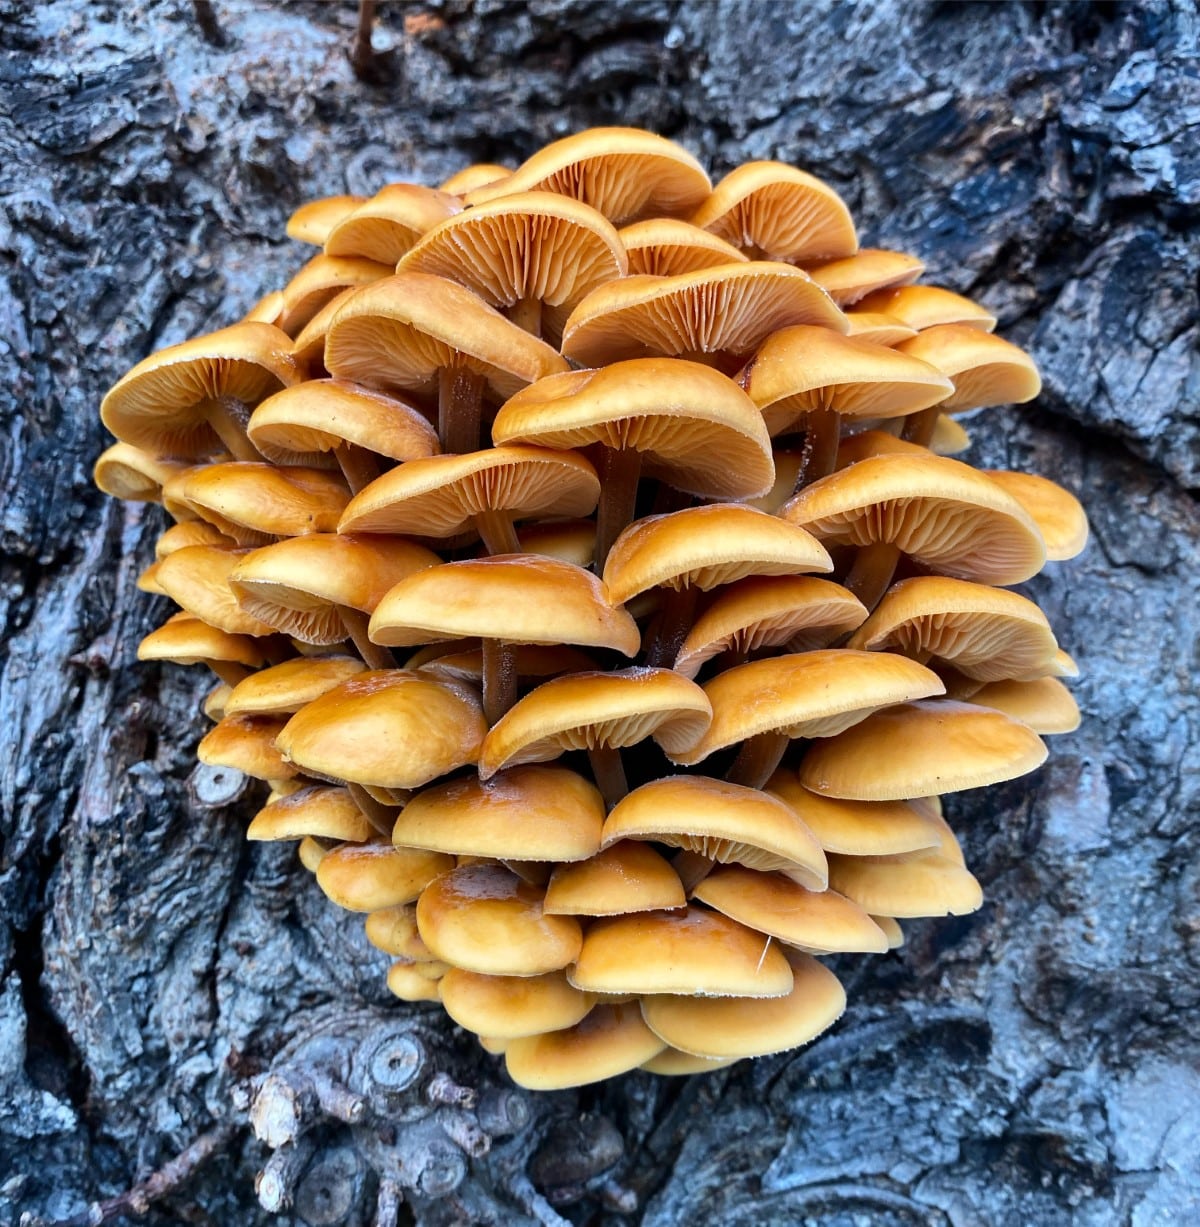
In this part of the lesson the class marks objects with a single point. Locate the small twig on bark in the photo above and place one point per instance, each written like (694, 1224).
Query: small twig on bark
(210, 27)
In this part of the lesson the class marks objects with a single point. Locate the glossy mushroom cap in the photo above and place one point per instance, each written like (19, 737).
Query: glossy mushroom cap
(850, 279)
(128, 472)
(627, 876)
(247, 744)
(321, 279)
(665, 247)
(368, 877)
(509, 1007)
(1044, 703)
(384, 227)
(312, 222)
(285, 688)
(316, 810)
(1059, 515)
(928, 306)
(986, 369)
(197, 579)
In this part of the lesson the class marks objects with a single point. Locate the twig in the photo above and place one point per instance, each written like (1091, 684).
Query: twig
(206, 19)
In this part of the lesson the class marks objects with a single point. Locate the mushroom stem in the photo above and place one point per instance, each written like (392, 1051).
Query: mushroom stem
(674, 622)
(692, 868)
(499, 678)
(919, 427)
(872, 572)
(757, 759)
(228, 417)
(609, 772)
(359, 466)
(619, 473)
(496, 529)
(821, 438)
(275, 649)
(527, 314)
(356, 623)
(460, 400)
(229, 672)
(379, 816)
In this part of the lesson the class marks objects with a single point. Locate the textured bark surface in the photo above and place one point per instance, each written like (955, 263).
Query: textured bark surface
(1035, 1062)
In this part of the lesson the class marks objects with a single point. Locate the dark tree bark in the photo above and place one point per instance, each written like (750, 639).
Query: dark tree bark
(1033, 1063)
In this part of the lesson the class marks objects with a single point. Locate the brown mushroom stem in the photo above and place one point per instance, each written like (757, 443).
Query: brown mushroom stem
(609, 773)
(229, 672)
(276, 649)
(527, 314)
(674, 622)
(919, 427)
(496, 529)
(822, 435)
(228, 417)
(536, 873)
(356, 623)
(872, 572)
(499, 678)
(692, 868)
(460, 401)
(619, 473)
(379, 816)
(757, 759)
(359, 466)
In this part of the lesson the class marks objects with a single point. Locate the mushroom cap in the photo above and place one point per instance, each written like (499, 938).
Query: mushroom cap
(928, 306)
(394, 931)
(518, 598)
(779, 211)
(949, 437)
(192, 532)
(858, 828)
(588, 710)
(312, 222)
(196, 578)
(127, 472)
(254, 502)
(297, 584)
(692, 952)
(939, 511)
(484, 918)
(384, 227)
(401, 331)
(527, 814)
(735, 1027)
(707, 547)
(624, 173)
(727, 310)
(160, 405)
(568, 540)
(768, 611)
(821, 921)
(986, 369)
(985, 633)
(877, 328)
(478, 174)
(415, 981)
(805, 694)
(802, 369)
(673, 1063)
(308, 349)
(611, 1040)
(854, 277)
(1044, 703)
(388, 728)
(267, 310)
(316, 810)
(247, 744)
(666, 247)
(627, 876)
(723, 822)
(531, 662)
(367, 877)
(913, 884)
(311, 852)
(301, 424)
(438, 496)
(892, 930)
(696, 429)
(323, 278)
(185, 639)
(921, 750)
(285, 688)
(509, 1007)
(1059, 515)
(530, 245)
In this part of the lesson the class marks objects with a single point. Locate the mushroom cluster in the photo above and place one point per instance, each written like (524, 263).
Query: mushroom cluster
(583, 565)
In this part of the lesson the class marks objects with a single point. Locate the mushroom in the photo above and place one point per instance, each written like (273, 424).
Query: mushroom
(665, 247)
(626, 876)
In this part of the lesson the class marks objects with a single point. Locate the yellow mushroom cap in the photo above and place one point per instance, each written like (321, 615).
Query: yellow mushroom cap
(285, 688)
(384, 227)
(518, 598)
(394, 931)
(627, 876)
(484, 918)
(764, 611)
(692, 952)
(311, 852)
(820, 921)
(707, 547)
(192, 532)
(415, 981)
(696, 429)
(478, 174)
(940, 512)
(247, 744)
(367, 877)
(986, 369)
(736, 1027)
(779, 213)
(673, 1063)
(913, 884)
(323, 278)
(611, 1040)
(387, 728)
(727, 310)
(317, 810)
(1044, 703)
(130, 473)
(921, 750)
(1059, 515)
(927, 306)
(509, 1007)
(197, 579)
(185, 639)
(624, 173)
(526, 814)
(854, 277)
(805, 694)
(589, 710)
(877, 328)
(666, 246)
(723, 822)
(312, 222)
